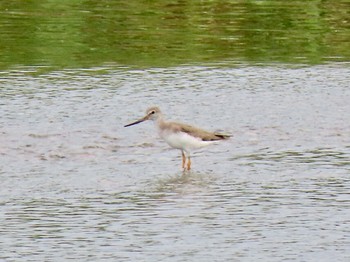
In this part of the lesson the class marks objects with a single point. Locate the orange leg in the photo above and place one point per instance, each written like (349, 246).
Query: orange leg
(188, 163)
(183, 159)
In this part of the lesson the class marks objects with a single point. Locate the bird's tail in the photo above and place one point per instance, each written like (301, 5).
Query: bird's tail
(222, 136)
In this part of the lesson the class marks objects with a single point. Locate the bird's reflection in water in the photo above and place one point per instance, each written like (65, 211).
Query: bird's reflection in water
(184, 183)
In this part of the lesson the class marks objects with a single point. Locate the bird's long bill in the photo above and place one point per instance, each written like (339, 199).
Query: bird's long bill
(136, 122)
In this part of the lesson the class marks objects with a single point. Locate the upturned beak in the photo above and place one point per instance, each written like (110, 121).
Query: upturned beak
(138, 121)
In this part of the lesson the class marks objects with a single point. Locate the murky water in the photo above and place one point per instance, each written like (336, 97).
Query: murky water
(80, 34)
(77, 185)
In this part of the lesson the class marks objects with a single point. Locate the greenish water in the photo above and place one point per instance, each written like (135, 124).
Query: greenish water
(76, 185)
(75, 34)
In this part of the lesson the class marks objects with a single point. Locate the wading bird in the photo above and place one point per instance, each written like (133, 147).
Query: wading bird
(180, 136)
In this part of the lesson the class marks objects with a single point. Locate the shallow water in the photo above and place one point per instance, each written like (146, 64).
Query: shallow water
(78, 185)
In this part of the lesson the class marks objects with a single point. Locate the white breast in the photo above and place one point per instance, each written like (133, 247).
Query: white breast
(183, 141)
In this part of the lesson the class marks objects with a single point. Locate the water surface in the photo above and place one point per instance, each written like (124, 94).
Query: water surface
(84, 34)
(77, 185)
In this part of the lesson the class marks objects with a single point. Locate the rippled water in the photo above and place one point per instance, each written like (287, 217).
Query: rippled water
(77, 185)
(83, 34)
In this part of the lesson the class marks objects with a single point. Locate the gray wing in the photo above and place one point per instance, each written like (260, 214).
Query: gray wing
(200, 133)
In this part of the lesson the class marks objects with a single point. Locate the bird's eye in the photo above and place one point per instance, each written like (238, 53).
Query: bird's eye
(152, 112)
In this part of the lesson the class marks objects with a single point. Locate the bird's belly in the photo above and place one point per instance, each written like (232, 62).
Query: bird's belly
(184, 141)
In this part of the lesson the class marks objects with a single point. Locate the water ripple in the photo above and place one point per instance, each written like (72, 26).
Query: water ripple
(76, 185)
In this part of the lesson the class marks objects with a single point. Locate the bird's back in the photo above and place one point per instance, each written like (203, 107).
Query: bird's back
(194, 131)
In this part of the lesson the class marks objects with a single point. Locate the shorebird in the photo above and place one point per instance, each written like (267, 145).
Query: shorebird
(180, 136)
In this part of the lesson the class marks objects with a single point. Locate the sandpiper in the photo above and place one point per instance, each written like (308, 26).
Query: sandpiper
(180, 136)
